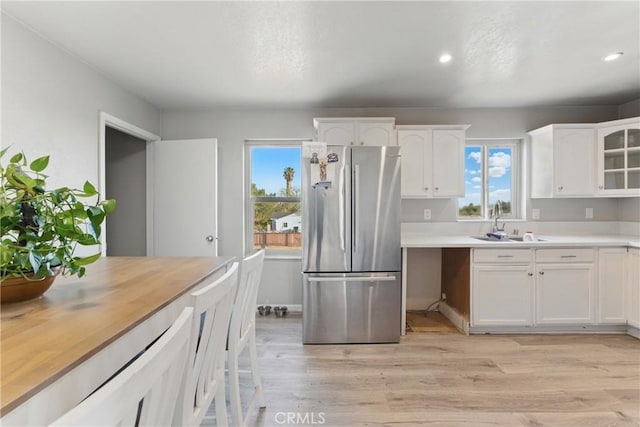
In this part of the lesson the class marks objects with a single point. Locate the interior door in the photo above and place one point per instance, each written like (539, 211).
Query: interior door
(185, 220)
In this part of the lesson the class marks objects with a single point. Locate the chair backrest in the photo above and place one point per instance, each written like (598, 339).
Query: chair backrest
(146, 391)
(205, 365)
(244, 307)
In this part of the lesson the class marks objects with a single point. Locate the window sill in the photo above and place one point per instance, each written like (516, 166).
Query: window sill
(283, 257)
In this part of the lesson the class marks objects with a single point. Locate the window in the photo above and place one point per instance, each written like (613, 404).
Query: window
(491, 175)
(273, 204)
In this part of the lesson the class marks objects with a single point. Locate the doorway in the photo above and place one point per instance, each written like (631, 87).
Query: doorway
(125, 166)
(126, 182)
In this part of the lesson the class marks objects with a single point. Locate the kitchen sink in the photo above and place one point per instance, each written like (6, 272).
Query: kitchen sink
(510, 239)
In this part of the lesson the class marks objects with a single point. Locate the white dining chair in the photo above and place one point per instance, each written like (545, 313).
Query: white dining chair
(145, 392)
(204, 378)
(242, 335)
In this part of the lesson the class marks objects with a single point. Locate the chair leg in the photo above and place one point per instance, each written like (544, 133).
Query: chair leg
(234, 389)
(257, 382)
(220, 399)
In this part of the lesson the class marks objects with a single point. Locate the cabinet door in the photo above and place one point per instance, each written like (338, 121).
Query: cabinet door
(414, 145)
(611, 285)
(371, 133)
(633, 287)
(502, 295)
(564, 293)
(338, 133)
(619, 159)
(447, 163)
(574, 162)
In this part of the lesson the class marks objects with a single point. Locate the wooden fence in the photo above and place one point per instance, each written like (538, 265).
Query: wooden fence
(275, 239)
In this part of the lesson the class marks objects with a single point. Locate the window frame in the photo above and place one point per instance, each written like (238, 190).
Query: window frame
(517, 146)
(249, 200)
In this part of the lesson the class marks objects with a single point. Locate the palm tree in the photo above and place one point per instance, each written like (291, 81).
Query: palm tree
(288, 176)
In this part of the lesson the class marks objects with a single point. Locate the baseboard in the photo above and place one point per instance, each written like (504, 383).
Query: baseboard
(454, 317)
(633, 331)
(550, 329)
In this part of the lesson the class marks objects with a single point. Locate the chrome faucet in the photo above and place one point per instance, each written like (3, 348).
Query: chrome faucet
(496, 213)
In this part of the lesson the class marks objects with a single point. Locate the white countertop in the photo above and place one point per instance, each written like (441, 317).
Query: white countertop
(425, 240)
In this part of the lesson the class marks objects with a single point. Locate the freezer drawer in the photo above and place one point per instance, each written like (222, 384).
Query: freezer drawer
(351, 308)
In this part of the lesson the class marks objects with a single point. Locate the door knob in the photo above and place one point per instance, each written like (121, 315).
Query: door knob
(209, 238)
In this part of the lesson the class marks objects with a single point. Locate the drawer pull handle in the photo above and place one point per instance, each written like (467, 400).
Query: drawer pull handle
(567, 256)
(541, 273)
(505, 256)
(529, 274)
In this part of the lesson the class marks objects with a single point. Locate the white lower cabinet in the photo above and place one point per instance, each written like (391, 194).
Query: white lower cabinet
(564, 293)
(633, 287)
(611, 286)
(528, 287)
(502, 295)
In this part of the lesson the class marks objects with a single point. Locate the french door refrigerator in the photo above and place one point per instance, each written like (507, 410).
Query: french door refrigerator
(351, 244)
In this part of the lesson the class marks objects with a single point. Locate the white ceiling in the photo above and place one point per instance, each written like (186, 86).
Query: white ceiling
(179, 54)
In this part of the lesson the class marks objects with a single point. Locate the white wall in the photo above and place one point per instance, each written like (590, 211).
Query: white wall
(629, 109)
(50, 104)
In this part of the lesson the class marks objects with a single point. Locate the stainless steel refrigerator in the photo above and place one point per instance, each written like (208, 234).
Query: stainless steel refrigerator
(351, 244)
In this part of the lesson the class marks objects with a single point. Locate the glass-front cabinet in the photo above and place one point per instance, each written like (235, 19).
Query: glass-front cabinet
(619, 158)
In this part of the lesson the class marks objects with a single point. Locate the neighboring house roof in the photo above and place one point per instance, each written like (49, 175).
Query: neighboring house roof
(283, 215)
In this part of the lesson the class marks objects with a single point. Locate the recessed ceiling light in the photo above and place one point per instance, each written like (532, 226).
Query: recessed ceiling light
(445, 57)
(613, 56)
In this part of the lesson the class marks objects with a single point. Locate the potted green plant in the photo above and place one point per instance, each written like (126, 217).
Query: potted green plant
(41, 228)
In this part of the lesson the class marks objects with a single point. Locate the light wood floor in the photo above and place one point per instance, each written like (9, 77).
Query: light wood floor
(440, 379)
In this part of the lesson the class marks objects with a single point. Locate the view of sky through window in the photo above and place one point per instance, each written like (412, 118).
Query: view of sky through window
(268, 165)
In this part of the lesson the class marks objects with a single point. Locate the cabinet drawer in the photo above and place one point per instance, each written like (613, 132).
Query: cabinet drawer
(565, 255)
(505, 255)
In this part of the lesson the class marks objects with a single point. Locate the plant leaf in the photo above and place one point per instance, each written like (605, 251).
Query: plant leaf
(38, 165)
(108, 206)
(86, 260)
(35, 259)
(89, 189)
(16, 158)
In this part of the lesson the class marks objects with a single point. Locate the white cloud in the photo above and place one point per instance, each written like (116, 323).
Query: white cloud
(475, 155)
(474, 172)
(476, 179)
(499, 164)
(477, 186)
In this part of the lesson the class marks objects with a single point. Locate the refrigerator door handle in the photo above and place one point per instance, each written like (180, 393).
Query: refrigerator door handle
(345, 212)
(353, 279)
(356, 205)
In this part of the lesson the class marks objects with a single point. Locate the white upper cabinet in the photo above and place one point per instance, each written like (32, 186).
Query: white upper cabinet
(563, 161)
(432, 161)
(619, 158)
(356, 131)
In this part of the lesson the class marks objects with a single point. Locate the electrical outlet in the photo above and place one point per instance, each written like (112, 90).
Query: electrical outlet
(427, 214)
(535, 213)
(444, 296)
(588, 213)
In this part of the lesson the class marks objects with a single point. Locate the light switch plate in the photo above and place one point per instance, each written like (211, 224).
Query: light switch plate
(427, 214)
(588, 213)
(535, 213)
